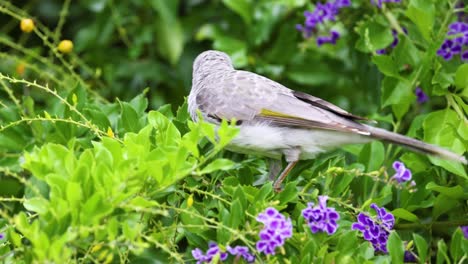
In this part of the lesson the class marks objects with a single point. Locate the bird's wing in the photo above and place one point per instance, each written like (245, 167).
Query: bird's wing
(246, 96)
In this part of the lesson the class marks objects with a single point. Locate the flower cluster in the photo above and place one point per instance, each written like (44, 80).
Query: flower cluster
(240, 251)
(456, 42)
(402, 173)
(321, 217)
(322, 14)
(213, 250)
(275, 232)
(376, 230)
(421, 95)
(380, 2)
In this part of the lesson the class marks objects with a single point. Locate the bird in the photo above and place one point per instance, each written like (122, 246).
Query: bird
(275, 121)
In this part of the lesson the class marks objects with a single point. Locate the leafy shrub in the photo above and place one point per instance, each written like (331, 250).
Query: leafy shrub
(85, 178)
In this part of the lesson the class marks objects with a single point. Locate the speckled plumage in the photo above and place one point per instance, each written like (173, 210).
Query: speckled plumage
(275, 120)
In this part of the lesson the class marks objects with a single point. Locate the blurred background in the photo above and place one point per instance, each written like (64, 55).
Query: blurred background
(123, 47)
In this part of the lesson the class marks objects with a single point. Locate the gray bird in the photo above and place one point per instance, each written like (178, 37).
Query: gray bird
(276, 121)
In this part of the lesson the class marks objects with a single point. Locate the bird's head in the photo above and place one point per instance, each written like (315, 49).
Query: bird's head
(211, 60)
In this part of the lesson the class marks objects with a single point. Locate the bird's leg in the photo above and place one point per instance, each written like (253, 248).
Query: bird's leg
(274, 168)
(277, 184)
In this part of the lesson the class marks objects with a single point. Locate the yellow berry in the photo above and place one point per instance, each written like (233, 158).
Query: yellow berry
(20, 68)
(27, 25)
(65, 46)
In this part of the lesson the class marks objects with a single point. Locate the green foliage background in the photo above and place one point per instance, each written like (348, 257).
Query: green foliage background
(91, 173)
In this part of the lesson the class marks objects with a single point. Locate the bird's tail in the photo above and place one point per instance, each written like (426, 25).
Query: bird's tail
(415, 144)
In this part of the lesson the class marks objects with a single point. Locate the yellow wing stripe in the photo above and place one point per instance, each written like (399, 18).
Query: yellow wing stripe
(266, 112)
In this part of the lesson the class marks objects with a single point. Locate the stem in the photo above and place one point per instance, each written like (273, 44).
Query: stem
(455, 107)
(436, 225)
(393, 21)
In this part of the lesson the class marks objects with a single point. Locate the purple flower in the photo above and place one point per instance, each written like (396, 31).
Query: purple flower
(448, 49)
(275, 232)
(2, 236)
(464, 230)
(410, 257)
(422, 97)
(240, 251)
(375, 231)
(321, 14)
(380, 2)
(396, 40)
(334, 36)
(321, 217)
(324, 12)
(402, 173)
(464, 55)
(457, 28)
(213, 250)
(381, 51)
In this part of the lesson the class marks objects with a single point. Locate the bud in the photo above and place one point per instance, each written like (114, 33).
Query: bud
(110, 133)
(96, 248)
(190, 201)
(27, 25)
(65, 46)
(74, 99)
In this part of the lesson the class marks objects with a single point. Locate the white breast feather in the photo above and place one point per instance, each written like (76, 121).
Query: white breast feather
(272, 141)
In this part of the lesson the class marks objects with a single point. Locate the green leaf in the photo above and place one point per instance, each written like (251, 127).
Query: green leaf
(193, 219)
(237, 214)
(397, 93)
(288, 194)
(405, 214)
(443, 204)
(386, 65)
(140, 102)
(129, 119)
(442, 256)
(74, 193)
(440, 128)
(373, 36)
(167, 134)
(94, 209)
(241, 7)
(218, 164)
(395, 247)
(406, 53)
(37, 204)
(461, 77)
(372, 155)
(169, 30)
(442, 80)
(455, 192)
(422, 247)
(347, 243)
(456, 245)
(422, 13)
